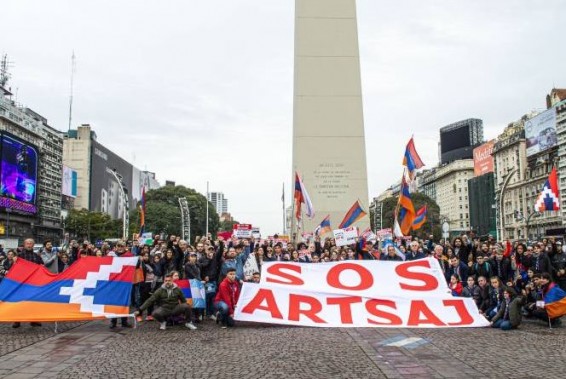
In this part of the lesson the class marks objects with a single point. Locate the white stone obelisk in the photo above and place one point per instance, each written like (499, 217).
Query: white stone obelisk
(328, 129)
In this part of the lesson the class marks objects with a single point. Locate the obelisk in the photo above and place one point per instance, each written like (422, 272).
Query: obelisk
(328, 129)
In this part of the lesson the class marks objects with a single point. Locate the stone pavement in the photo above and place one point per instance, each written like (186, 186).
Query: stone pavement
(265, 351)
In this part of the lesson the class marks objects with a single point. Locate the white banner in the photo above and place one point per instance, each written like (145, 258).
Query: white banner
(278, 305)
(346, 236)
(360, 278)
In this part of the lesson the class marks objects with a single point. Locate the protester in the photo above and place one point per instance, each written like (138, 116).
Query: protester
(509, 314)
(226, 299)
(170, 301)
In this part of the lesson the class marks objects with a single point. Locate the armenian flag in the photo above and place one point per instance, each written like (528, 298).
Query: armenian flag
(411, 159)
(91, 288)
(302, 197)
(406, 210)
(324, 227)
(555, 301)
(420, 218)
(354, 214)
(549, 198)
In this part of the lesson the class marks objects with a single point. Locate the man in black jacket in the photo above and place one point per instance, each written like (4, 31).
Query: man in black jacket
(210, 269)
(28, 254)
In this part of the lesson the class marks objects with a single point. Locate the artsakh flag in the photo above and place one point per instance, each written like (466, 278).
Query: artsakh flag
(549, 198)
(91, 288)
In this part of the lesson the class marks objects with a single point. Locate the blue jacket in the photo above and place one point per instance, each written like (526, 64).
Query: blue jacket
(237, 263)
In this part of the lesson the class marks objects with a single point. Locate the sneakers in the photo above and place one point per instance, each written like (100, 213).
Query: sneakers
(139, 318)
(163, 325)
(212, 317)
(149, 318)
(223, 327)
(191, 326)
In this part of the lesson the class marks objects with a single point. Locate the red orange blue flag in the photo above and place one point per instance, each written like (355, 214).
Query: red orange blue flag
(411, 159)
(420, 218)
(406, 214)
(324, 227)
(555, 301)
(549, 198)
(354, 214)
(91, 288)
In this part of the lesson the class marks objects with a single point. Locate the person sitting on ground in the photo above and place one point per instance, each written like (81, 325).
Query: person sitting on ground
(227, 298)
(546, 284)
(484, 301)
(471, 289)
(170, 301)
(509, 315)
(455, 285)
(495, 296)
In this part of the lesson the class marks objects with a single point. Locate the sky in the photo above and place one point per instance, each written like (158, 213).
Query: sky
(199, 91)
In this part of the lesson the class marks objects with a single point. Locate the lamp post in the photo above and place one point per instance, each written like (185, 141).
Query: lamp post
(501, 197)
(532, 214)
(125, 202)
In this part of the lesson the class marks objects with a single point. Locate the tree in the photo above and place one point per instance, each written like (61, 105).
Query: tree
(227, 225)
(83, 224)
(163, 214)
(432, 224)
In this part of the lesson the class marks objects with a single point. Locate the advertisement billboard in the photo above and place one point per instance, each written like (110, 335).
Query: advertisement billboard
(483, 160)
(18, 174)
(70, 177)
(540, 132)
(105, 190)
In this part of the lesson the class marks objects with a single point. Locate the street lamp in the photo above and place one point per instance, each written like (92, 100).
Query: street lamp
(125, 202)
(501, 237)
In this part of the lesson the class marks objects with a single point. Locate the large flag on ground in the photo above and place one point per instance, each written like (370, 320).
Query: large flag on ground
(406, 215)
(420, 218)
(555, 301)
(549, 198)
(302, 197)
(354, 214)
(411, 158)
(324, 227)
(91, 288)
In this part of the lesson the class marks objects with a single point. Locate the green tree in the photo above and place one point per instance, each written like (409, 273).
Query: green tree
(82, 224)
(164, 215)
(432, 224)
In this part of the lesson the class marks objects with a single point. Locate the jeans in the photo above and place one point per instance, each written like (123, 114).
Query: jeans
(224, 312)
(502, 324)
(210, 303)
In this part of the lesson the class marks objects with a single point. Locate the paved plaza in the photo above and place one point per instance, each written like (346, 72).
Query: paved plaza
(92, 350)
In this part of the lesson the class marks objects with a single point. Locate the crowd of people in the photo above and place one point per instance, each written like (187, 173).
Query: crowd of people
(507, 281)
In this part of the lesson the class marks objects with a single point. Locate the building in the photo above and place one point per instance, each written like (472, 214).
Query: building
(524, 156)
(98, 189)
(458, 140)
(219, 201)
(32, 167)
(448, 187)
(557, 99)
(376, 207)
(481, 195)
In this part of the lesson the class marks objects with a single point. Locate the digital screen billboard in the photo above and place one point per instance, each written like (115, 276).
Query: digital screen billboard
(540, 132)
(455, 139)
(18, 174)
(105, 190)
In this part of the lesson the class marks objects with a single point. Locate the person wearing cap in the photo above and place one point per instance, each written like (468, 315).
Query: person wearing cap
(509, 315)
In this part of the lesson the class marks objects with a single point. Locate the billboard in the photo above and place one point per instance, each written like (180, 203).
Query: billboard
(105, 190)
(483, 160)
(70, 177)
(540, 132)
(18, 174)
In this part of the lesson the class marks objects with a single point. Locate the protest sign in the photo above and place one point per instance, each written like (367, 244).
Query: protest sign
(346, 236)
(242, 231)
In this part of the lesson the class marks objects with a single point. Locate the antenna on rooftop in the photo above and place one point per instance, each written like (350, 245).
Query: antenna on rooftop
(73, 66)
(4, 74)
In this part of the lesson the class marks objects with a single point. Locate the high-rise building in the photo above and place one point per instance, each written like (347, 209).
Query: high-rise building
(97, 188)
(457, 140)
(30, 174)
(219, 201)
